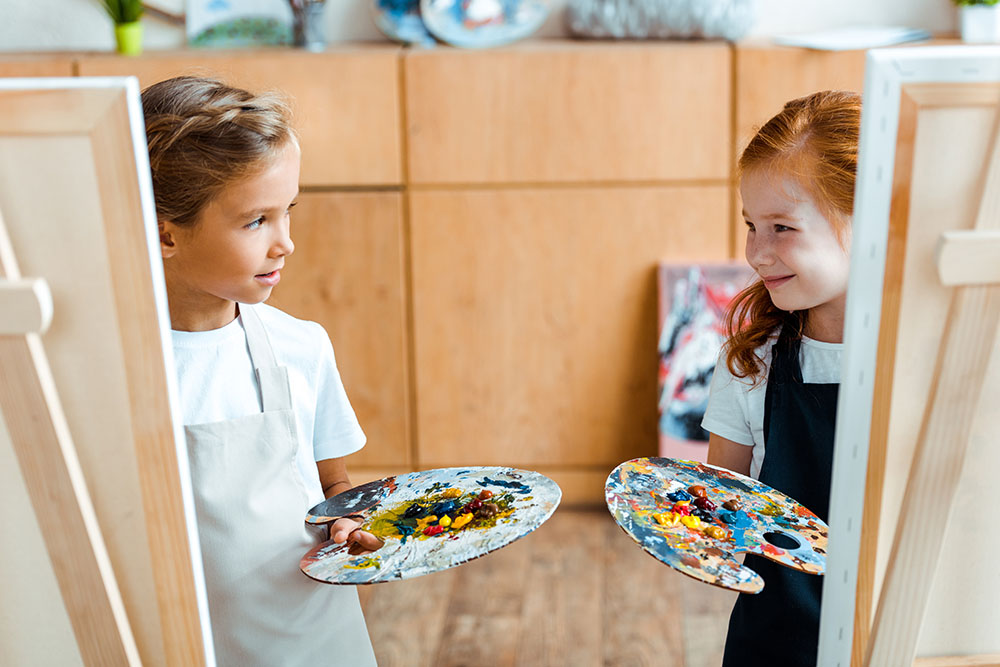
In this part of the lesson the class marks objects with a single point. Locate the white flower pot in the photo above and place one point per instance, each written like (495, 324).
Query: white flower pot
(980, 23)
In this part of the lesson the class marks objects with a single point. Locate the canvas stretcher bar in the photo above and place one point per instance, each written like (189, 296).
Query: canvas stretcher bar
(963, 359)
(48, 462)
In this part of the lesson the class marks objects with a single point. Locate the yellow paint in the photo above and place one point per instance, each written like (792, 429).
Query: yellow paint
(426, 521)
(364, 564)
(716, 532)
(444, 521)
(668, 518)
(691, 521)
(452, 493)
(461, 520)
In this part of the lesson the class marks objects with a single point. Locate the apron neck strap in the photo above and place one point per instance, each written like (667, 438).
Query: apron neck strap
(275, 393)
(785, 358)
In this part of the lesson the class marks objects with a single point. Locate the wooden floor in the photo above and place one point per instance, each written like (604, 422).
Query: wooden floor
(577, 592)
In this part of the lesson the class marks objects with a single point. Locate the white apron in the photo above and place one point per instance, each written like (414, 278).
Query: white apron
(251, 504)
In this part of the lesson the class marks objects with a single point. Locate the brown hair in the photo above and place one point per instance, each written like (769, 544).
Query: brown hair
(204, 135)
(814, 140)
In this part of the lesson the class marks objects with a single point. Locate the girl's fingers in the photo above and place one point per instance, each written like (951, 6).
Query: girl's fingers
(341, 530)
(364, 540)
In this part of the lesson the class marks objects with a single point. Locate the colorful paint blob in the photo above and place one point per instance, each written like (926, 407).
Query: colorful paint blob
(697, 519)
(430, 521)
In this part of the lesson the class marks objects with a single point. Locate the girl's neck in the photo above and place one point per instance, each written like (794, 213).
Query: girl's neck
(201, 319)
(825, 323)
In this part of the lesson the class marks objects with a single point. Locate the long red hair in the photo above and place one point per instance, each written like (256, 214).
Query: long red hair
(814, 140)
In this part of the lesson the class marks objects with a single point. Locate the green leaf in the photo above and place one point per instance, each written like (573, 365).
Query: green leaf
(123, 11)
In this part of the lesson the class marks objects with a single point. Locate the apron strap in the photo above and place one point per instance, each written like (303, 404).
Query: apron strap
(275, 392)
(785, 365)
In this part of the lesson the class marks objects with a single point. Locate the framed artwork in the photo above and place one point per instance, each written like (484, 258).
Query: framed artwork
(238, 23)
(692, 302)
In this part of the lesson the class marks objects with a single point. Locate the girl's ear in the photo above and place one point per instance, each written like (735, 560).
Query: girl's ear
(168, 239)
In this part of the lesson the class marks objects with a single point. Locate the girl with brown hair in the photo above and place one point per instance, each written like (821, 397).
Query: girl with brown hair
(773, 401)
(267, 420)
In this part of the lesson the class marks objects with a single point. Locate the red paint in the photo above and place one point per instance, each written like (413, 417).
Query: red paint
(682, 508)
(691, 561)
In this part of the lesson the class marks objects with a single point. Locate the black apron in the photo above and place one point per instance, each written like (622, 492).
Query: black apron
(780, 625)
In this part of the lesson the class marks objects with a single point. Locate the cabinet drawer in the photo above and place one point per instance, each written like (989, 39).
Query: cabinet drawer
(569, 112)
(346, 103)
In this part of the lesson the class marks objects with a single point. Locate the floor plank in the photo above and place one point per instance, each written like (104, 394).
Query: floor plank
(577, 592)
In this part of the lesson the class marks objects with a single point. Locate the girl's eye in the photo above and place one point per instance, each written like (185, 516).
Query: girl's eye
(749, 225)
(255, 224)
(782, 228)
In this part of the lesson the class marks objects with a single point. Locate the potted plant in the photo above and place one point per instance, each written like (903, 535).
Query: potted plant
(128, 29)
(979, 20)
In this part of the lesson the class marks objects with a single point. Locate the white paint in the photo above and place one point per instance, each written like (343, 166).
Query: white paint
(81, 25)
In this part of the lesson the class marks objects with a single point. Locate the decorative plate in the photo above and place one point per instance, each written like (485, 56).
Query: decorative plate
(483, 23)
(400, 20)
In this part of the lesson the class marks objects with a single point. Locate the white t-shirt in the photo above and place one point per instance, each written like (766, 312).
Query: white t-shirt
(736, 408)
(217, 383)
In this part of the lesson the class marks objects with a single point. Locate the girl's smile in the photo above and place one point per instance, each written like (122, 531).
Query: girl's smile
(776, 281)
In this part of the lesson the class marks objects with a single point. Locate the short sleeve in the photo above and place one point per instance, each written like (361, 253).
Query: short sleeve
(336, 431)
(727, 413)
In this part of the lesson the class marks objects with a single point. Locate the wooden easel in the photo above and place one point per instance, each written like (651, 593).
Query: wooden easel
(48, 461)
(89, 405)
(912, 540)
(969, 261)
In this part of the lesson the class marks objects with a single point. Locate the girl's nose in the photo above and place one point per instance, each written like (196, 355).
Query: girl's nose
(758, 251)
(283, 243)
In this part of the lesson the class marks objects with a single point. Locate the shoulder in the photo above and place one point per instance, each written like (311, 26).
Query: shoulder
(291, 337)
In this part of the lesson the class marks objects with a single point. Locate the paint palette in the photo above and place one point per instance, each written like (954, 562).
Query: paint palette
(697, 519)
(431, 521)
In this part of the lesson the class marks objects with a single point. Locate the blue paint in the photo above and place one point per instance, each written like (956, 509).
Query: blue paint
(518, 487)
(444, 507)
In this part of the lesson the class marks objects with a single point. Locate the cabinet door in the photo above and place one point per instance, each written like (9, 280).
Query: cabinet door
(535, 318)
(35, 65)
(347, 274)
(569, 112)
(346, 103)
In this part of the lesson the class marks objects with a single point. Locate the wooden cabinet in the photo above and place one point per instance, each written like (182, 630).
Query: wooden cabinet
(546, 182)
(569, 112)
(346, 102)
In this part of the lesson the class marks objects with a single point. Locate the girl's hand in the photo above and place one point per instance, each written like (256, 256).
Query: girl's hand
(361, 542)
